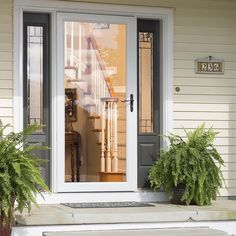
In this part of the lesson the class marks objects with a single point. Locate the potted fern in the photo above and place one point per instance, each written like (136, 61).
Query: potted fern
(190, 170)
(20, 176)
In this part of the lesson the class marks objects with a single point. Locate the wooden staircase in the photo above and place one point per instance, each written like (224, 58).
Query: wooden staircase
(111, 172)
(106, 113)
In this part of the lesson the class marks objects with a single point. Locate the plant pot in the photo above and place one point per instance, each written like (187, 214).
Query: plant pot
(178, 192)
(5, 229)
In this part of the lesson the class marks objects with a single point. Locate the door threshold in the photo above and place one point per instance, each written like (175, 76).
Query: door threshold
(85, 197)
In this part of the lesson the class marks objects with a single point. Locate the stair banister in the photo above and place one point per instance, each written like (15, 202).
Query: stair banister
(103, 97)
(109, 114)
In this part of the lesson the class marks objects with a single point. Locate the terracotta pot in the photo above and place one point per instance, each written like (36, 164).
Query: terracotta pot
(5, 230)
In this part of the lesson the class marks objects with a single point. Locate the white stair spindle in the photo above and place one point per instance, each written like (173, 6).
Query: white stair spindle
(108, 144)
(72, 45)
(66, 48)
(92, 77)
(115, 157)
(80, 52)
(99, 96)
(97, 85)
(111, 134)
(103, 120)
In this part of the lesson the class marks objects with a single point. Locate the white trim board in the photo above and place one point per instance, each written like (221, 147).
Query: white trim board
(138, 196)
(165, 15)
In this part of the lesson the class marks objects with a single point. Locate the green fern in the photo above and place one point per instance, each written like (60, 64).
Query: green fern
(193, 162)
(20, 176)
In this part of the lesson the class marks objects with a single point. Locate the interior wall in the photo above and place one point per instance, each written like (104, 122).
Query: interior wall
(112, 51)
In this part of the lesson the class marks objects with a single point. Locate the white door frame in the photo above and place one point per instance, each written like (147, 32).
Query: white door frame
(131, 117)
(165, 15)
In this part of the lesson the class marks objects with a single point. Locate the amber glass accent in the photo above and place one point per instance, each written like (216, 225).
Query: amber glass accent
(145, 82)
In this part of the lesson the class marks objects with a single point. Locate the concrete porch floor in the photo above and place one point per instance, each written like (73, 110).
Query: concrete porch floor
(220, 210)
(161, 219)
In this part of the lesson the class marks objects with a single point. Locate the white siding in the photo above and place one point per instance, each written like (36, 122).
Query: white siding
(6, 80)
(202, 32)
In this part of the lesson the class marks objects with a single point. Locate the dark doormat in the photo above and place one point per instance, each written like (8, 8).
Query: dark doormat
(107, 204)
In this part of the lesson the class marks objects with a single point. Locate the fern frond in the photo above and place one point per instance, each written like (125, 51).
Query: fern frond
(20, 176)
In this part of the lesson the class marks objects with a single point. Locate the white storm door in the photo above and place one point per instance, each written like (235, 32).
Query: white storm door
(96, 103)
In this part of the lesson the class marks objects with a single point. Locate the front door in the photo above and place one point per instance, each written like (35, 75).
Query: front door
(96, 96)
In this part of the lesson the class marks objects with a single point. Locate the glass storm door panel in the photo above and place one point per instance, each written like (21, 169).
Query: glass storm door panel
(99, 92)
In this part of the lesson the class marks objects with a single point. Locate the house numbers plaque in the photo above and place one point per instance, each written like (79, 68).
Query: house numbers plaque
(209, 65)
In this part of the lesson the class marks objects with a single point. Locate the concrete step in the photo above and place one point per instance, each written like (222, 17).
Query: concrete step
(50, 214)
(145, 232)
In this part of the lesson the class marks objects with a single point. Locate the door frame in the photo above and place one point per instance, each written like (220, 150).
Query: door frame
(131, 121)
(165, 15)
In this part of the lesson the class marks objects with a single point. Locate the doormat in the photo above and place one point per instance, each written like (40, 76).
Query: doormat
(107, 204)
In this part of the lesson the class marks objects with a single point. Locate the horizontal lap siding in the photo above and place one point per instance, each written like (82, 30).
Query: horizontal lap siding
(202, 32)
(6, 61)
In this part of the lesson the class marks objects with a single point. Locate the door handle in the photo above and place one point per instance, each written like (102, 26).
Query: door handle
(130, 101)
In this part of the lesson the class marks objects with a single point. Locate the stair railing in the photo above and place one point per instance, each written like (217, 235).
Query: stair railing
(100, 83)
(105, 102)
(109, 157)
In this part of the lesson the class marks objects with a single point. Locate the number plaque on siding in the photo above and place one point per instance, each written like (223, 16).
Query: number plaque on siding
(209, 65)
